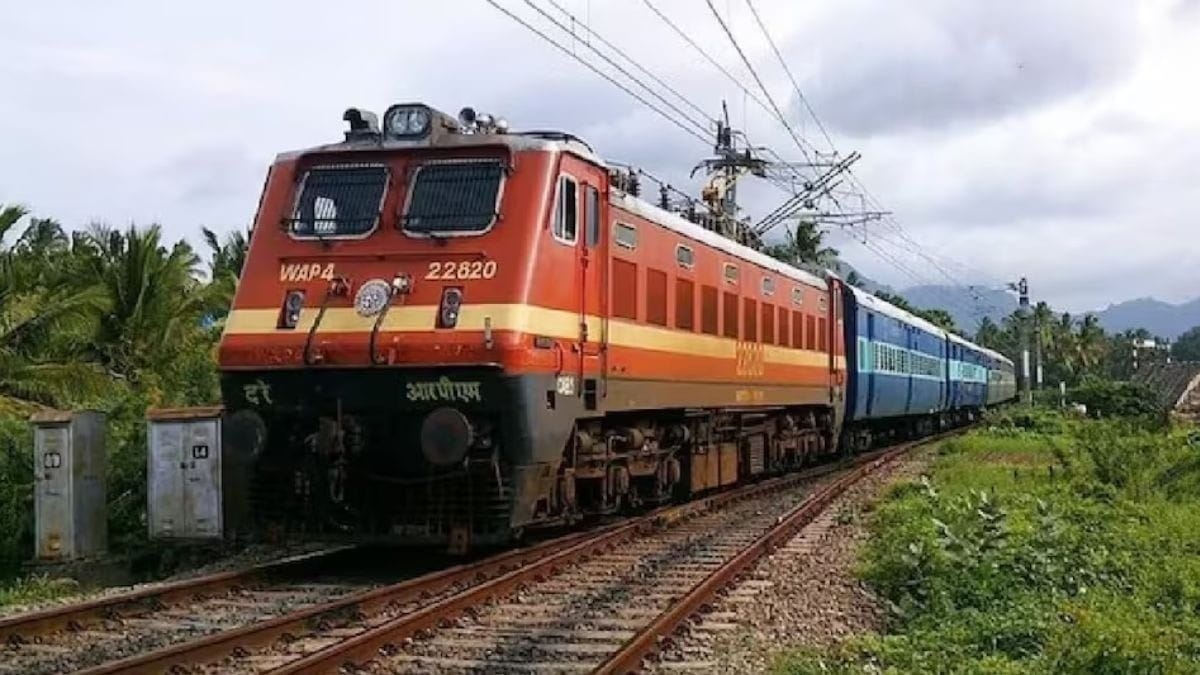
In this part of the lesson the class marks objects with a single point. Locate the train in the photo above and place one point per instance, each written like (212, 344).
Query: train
(450, 333)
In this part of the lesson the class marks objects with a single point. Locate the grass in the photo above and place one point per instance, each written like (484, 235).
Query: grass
(1044, 546)
(36, 588)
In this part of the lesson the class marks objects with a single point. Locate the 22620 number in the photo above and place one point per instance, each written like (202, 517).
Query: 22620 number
(472, 269)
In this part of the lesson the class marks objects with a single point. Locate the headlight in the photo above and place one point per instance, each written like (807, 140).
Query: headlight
(418, 120)
(407, 121)
(372, 297)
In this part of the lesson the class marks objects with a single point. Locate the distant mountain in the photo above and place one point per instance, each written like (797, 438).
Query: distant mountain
(1160, 318)
(968, 305)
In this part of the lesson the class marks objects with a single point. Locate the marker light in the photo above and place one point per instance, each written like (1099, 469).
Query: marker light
(451, 304)
(402, 284)
(293, 303)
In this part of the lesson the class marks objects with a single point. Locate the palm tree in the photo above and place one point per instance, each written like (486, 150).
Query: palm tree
(46, 317)
(154, 295)
(225, 268)
(804, 245)
(1090, 343)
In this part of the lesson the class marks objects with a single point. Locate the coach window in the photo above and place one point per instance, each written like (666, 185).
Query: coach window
(566, 216)
(625, 236)
(592, 208)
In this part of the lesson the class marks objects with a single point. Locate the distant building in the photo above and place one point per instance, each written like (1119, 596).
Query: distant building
(1176, 386)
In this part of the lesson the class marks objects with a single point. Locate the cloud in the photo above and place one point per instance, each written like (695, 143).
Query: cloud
(1047, 139)
(884, 67)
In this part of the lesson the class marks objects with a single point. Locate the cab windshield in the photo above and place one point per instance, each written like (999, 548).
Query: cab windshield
(339, 201)
(454, 197)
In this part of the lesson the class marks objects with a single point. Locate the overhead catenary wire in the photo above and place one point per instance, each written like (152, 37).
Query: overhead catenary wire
(702, 126)
(657, 100)
(761, 85)
(590, 66)
(707, 57)
(636, 64)
(795, 85)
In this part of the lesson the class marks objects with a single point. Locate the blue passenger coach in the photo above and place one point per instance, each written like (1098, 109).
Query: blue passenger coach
(968, 378)
(897, 369)
(1002, 378)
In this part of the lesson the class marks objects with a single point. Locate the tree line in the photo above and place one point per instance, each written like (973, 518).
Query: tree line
(1070, 348)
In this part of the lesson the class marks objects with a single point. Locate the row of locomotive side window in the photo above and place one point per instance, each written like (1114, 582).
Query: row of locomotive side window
(683, 302)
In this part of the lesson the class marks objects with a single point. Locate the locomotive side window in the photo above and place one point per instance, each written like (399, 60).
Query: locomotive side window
(731, 273)
(338, 201)
(797, 297)
(459, 197)
(566, 216)
(768, 286)
(685, 256)
(625, 236)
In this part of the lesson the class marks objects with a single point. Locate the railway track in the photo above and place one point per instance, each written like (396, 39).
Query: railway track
(594, 600)
(72, 637)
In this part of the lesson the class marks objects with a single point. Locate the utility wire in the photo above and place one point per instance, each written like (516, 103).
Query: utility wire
(641, 99)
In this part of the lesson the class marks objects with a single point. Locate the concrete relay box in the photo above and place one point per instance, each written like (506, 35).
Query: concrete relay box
(69, 466)
(184, 473)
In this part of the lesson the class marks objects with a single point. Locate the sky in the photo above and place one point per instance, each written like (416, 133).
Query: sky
(1056, 141)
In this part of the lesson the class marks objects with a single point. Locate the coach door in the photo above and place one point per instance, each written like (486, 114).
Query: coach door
(593, 291)
(836, 330)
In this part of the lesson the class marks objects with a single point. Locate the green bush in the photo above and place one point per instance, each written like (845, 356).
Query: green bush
(1030, 552)
(1107, 398)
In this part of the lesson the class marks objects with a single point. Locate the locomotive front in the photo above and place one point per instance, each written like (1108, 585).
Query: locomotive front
(374, 363)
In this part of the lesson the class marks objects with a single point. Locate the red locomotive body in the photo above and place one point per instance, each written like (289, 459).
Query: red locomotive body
(446, 332)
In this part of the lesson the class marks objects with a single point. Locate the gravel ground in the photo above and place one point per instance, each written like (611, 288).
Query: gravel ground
(251, 555)
(804, 595)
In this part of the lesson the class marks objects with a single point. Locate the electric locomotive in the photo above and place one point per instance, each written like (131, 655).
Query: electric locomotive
(447, 332)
